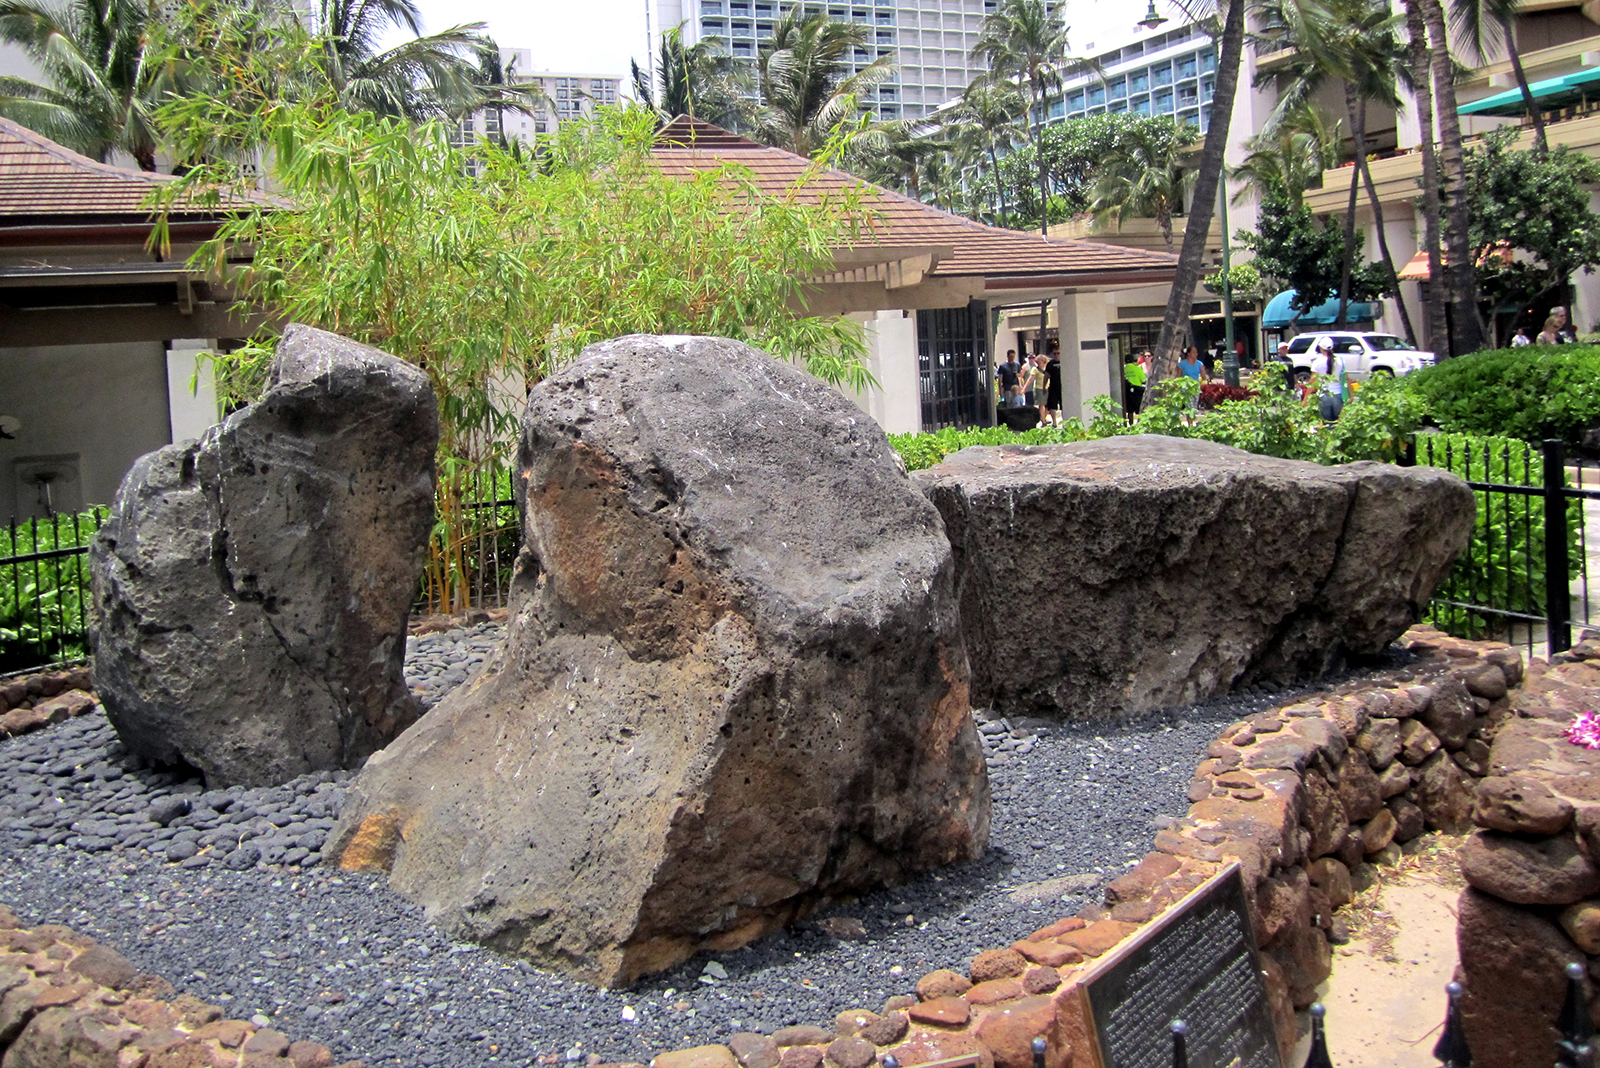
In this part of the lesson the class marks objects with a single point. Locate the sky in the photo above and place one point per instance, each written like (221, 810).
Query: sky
(600, 36)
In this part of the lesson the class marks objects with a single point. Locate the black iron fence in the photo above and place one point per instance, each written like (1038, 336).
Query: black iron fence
(45, 604)
(1524, 576)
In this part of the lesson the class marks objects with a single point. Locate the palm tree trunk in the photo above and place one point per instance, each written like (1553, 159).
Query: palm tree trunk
(1197, 226)
(1541, 145)
(1358, 126)
(1435, 296)
(1347, 264)
(1038, 155)
(999, 186)
(1468, 329)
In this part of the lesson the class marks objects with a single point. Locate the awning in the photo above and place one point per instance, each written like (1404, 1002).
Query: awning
(1550, 93)
(1278, 312)
(1415, 271)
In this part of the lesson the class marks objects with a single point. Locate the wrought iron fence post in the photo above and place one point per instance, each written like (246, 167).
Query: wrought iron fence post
(1577, 1029)
(1180, 1044)
(1317, 1056)
(1451, 1049)
(1557, 582)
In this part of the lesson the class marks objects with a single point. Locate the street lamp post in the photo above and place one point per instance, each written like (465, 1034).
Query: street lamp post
(1230, 358)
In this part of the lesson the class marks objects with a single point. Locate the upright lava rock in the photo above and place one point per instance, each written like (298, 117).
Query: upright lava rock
(733, 685)
(1109, 578)
(254, 585)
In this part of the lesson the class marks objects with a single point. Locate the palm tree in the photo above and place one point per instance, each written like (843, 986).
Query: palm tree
(1290, 156)
(1422, 81)
(985, 120)
(101, 86)
(419, 78)
(807, 85)
(1483, 24)
(1026, 40)
(893, 154)
(700, 80)
(1144, 178)
(1355, 43)
(1467, 327)
(1208, 177)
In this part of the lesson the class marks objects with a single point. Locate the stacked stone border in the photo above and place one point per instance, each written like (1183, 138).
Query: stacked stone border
(32, 702)
(1301, 796)
(66, 1001)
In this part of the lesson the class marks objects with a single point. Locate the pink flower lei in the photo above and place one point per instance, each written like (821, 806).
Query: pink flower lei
(1584, 730)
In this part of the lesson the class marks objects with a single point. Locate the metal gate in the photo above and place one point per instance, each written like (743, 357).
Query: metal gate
(956, 379)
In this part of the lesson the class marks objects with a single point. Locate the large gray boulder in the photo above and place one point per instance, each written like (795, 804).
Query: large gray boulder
(732, 689)
(253, 586)
(1109, 578)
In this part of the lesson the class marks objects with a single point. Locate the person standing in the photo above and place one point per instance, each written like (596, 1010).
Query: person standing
(1052, 392)
(1520, 338)
(1011, 381)
(1331, 391)
(1133, 381)
(1190, 366)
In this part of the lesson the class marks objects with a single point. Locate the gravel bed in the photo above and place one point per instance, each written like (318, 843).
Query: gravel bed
(251, 921)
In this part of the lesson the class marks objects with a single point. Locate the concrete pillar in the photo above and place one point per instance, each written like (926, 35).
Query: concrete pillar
(896, 401)
(191, 388)
(1085, 361)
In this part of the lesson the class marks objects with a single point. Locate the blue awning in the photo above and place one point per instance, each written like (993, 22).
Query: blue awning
(1279, 314)
(1549, 93)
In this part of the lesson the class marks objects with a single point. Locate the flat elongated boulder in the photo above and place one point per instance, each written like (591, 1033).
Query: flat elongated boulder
(732, 688)
(1109, 578)
(254, 585)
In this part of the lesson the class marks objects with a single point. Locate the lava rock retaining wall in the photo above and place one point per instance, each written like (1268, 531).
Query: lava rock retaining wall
(30, 702)
(65, 1001)
(1532, 905)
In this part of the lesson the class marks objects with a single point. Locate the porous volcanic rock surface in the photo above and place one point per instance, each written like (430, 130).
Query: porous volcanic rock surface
(253, 586)
(733, 686)
(1177, 569)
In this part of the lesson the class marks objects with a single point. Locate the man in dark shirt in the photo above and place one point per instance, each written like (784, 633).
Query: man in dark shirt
(1011, 381)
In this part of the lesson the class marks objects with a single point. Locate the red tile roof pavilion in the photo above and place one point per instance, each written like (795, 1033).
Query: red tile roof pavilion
(915, 246)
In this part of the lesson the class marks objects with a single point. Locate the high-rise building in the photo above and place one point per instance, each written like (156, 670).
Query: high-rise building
(929, 41)
(567, 96)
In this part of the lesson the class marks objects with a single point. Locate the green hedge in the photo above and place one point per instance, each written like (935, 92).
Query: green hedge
(1504, 564)
(1532, 393)
(44, 604)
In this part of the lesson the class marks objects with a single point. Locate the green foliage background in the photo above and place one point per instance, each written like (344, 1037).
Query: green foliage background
(43, 603)
(1531, 393)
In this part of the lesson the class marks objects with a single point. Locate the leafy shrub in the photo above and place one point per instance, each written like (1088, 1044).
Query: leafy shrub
(925, 450)
(44, 599)
(1531, 393)
(1503, 565)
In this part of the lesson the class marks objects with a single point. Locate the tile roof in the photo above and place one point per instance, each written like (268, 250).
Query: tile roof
(41, 179)
(686, 145)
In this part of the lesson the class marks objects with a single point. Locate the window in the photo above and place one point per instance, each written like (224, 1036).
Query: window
(885, 18)
(886, 37)
(710, 7)
(1057, 110)
(1075, 101)
(889, 111)
(1141, 106)
(1119, 88)
(764, 11)
(1186, 67)
(491, 123)
(1187, 96)
(1118, 106)
(743, 49)
(888, 92)
(1208, 61)
(1163, 103)
(763, 29)
(741, 29)
(711, 27)
(1139, 82)
(1097, 96)
(1161, 75)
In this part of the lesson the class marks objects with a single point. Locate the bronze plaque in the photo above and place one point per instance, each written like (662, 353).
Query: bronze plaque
(1199, 964)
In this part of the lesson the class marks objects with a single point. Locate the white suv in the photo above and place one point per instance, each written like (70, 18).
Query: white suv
(1365, 354)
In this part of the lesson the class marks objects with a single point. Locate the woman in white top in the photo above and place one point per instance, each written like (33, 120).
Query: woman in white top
(1330, 403)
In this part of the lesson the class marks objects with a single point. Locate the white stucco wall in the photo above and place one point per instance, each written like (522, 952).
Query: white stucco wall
(191, 388)
(106, 405)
